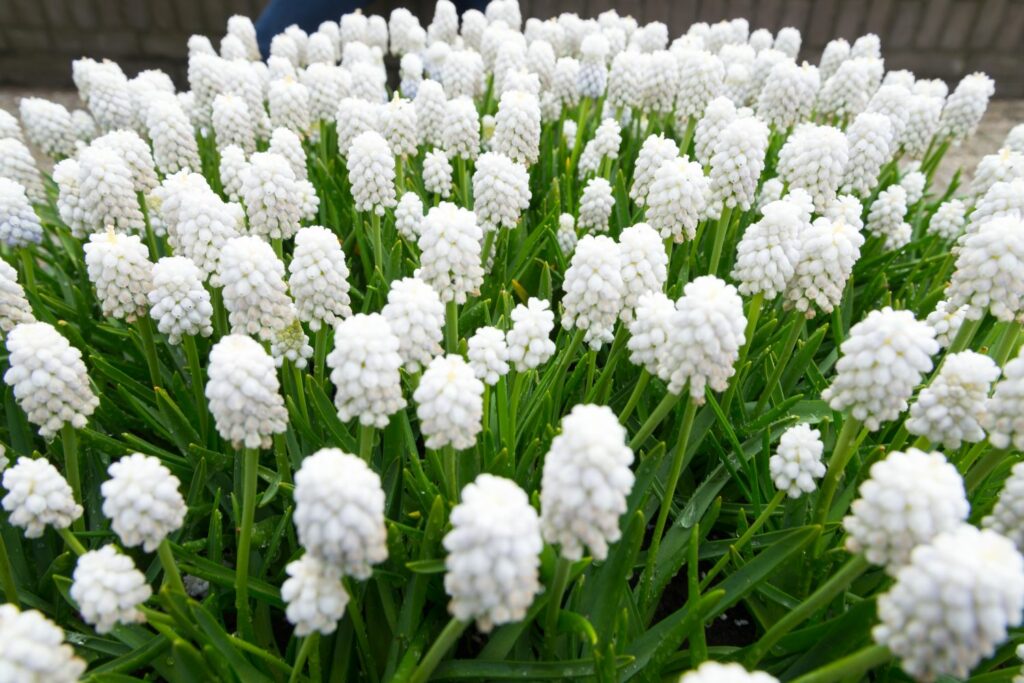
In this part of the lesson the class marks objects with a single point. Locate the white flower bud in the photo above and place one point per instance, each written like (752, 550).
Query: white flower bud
(254, 292)
(365, 370)
(463, 74)
(643, 265)
(566, 235)
(835, 53)
(174, 143)
(882, 360)
(913, 183)
(288, 102)
(717, 672)
(32, 649)
(109, 96)
(564, 82)
(828, 251)
(233, 167)
(517, 127)
(314, 596)
(892, 101)
(946, 321)
(142, 500)
(604, 145)
(677, 199)
(339, 512)
(242, 28)
(788, 94)
(353, 117)
(846, 92)
(797, 461)
(1003, 166)
(19, 224)
(232, 123)
(411, 74)
(38, 496)
(989, 273)
(701, 77)
(17, 165)
(814, 158)
(656, 150)
(949, 410)
(409, 212)
(596, 205)
(923, 114)
(965, 106)
(416, 316)
(768, 252)
(450, 246)
(287, 144)
(107, 191)
(431, 107)
(594, 289)
(593, 71)
(1003, 199)
(461, 129)
(488, 354)
(14, 307)
(9, 126)
(626, 81)
(327, 85)
(1007, 517)
(399, 118)
(585, 482)
(437, 178)
(493, 553)
(109, 589)
(979, 578)
(529, 339)
(48, 125)
(869, 138)
(134, 151)
(179, 303)
(244, 394)
(449, 403)
(885, 219)
(1004, 417)
(291, 343)
(70, 204)
(371, 171)
(737, 164)
(120, 270)
(319, 277)
(649, 330)
(275, 200)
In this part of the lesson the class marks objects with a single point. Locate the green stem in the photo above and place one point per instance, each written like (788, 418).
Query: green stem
(984, 467)
(654, 419)
(300, 659)
(691, 126)
(378, 250)
(145, 327)
(720, 232)
(742, 541)
(171, 575)
(188, 343)
(354, 612)
(559, 582)
(837, 583)
(451, 472)
(28, 268)
(250, 465)
(452, 327)
(841, 454)
(69, 441)
(634, 398)
(753, 314)
(780, 365)
(72, 542)
(365, 442)
(849, 668)
(667, 498)
(460, 167)
(445, 641)
(7, 575)
(319, 353)
(964, 336)
(1006, 343)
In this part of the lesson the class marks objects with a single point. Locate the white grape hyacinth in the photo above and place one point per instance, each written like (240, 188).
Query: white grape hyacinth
(14, 307)
(788, 94)
(450, 244)
(174, 142)
(603, 146)
(254, 291)
(737, 163)
(655, 151)
(365, 367)
(886, 217)
(1007, 516)
(416, 316)
(314, 597)
(119, 268)
(677, 199)
(109, 589)
(32, 649)
(908, 499)
(644, 265)
(409, 211)
(449, 403)
(244, 394)
(517, 127)
(701, 77)
(797, 464)
(828, 251)
(529, 340)
(142, 501)
(596, 205)
(952, 605)
(19, 224)
(949, 219)
(48, 125)
(287, 144)
(233, 166)
(339, 512)
(399, 118)
(566, 234)
(989, 273)
(488, 354)
(38, 497)
(950, 410)
(768, 252)
(233, 123)
(965, 107)
(493, 554)
(870, 141)
(1004, 419)
(179, 303)
(318, 278)
(946, 321)
(814, 159)
(730, 672)
(107, 191)
(70, 204)
(501, 191)
(437, 177)
(353, 117)
(18, 165)
(275, 200)
(594, 290)
(882, 360)
(585, 482)
(49, 378)
(707, 332)
(371, 170)
(649, 331)
(461, 129)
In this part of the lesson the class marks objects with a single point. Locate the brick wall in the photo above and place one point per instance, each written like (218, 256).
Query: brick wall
(934, 38)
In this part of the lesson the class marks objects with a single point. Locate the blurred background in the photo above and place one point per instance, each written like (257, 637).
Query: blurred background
(934, 38)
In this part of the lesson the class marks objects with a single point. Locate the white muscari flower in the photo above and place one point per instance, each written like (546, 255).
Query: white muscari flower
(353, 117)
(1014, 139)
(923, 113)
(244, 394)
(593, 71)
(488, 354)
(569, 130)
(321, 49)
(275, 200)
(828, 251)
(1007, 516)
(430, 103)
(529, 339)
(1003, 166)
(109, 96)
(38, 496)
(179, 303)
(660, 78)
(19, 224)
(9, 126)
(564, 82)
(70, 204)
(701, 78)
(254, 291)
(892, 101)
(797, 461)
(768, 252)
(965, 106)
(14, 307)
(951, 606)
(540, 59)
(706, 334)
(291, 343)
(730, 672)
(462, 74)
(1004, 417)
(314, 596)
(566, 234)
(788, 94)
(787, 41)
(450, 243)
(509, 59)
(882, 360)
(233, 167)
(318, 278)
(339, 512)
(835, 53)
(989, 273)
(416, 316)
(32, 648)
(655, 150)
(174, 142)
(493, 553)
(1002, 199)
(596, 205)
(461, 129)
(950, 410)
(626, 80)
(585, 481)
(845, 207)
(643, 265)
(134, 151)
(501, 191)
(327, 84)
(119, 268)
(604, 145)
(517, 127)
(946, 321)
(409, 212)
(449, 403)
(437, 177)
(142, 501)
(913, 183)
(737, 164)
(399, 117)
(649, 330)
(594, 289)
(814, 158)
(867, 45)
(242, 28)
(771, 191)
(411, 75)
(364, 367)
(284, 142)
(870, 142)
(109, 589)
(107, 193)
(885, 218)
(232, 123)
(17, 165)
(371, 171)
(48, 125)
(846, 92)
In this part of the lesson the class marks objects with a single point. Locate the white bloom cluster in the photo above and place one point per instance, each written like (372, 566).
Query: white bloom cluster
(909, 498)
(883, 359)
(107, 191)
(493, 553)
(318, 277)
(255, 294)
(737, 163)
(314, 597)
(604, 145)
(1004, 418)
(233, 167)
(48, 125)
(946, 321)
(701, 75)
(923, 114)
(14, 307)
(32, 649)
(174, 142)
(19, 224)
(17, 164)
(365, 370)
(399, 117)
(788, 94)
(585, 482)
(460, 133)
(179, 303)
(655, 151)
(275, 200)
(488, 354)
(828, 251)
(1002, 199)
(38, 496)
(120, 270)
(232, 123)
(437, 177)
(109, 589)
(49, 378)
(450, 243)
(731, 672)
(286, 143)
(951, 606)
(797, 461)
(885, 219)
(69, 199)
(704, 341)
(951, 409)
(768, 252)
(430, 112)
(677, 199)
(288, 101)
(416, 316)
(649, 330)
(814, 158)
(142, 500)
(596, 205)
(134, 151)
(643, 265)
(948, 220)
(517, 127)
(529, 340)
(371, 171)
(244, 394)
(965, 106)
(594, 289)
(501, 191)
(449, 403)
(989, 273)
(869, 138)
(339, 512)
(409, 211)
(1007, 517)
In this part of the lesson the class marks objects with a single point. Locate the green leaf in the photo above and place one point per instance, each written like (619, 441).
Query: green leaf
(477, 670)
(220, 640)
(426, 566)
